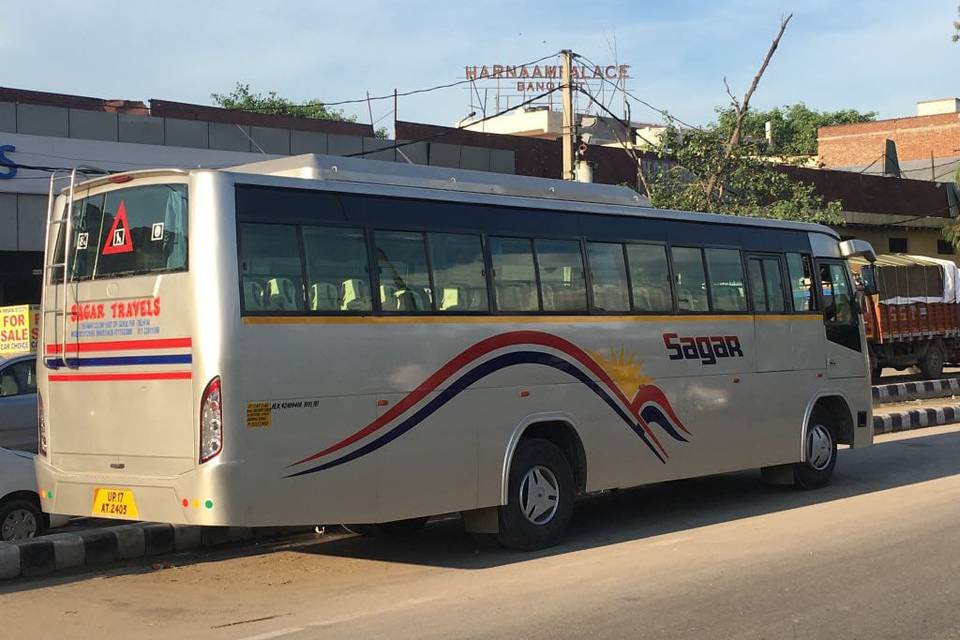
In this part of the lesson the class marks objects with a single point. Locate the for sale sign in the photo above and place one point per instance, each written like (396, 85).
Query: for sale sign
(19, 329)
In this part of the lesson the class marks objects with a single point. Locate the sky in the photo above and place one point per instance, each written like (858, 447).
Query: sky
(880, 55)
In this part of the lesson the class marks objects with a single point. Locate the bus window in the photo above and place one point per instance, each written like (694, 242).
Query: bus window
(766, 285)
(459, 283)
(801, 282)
(691, 279)
(129, 232)
(726, 280)
(514, 276)
(560, 265)
(649, 277)
(608, 276)
(837, 302)
(402, 265)
(336, 260)
(270, 267)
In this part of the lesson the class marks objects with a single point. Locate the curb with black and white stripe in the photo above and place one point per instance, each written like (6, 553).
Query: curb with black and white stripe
(903, 391)
(96, 547)
(915, 419)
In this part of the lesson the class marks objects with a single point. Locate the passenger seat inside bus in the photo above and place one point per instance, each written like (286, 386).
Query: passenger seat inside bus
(324, 297)
(355, 296)
(282, 294)
(252, 295)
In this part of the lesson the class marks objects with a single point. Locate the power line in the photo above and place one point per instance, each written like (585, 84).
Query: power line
(441, 134)
(616, 85)
(403, 94)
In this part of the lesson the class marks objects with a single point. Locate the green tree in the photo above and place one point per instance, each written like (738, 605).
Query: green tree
(951, 232)
(956, 27)
(742, 183)
(243, 99)
(794, 126)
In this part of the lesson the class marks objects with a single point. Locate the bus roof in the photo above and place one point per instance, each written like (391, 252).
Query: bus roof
(465, 185)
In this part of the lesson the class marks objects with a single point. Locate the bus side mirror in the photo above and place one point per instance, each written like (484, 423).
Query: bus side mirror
(868, 276)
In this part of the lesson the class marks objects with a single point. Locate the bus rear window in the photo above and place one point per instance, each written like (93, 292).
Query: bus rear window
(128, 232)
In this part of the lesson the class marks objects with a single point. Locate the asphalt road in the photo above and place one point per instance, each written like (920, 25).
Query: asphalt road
(875, 555)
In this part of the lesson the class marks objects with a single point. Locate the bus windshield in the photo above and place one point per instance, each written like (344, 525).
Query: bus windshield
(128, 232)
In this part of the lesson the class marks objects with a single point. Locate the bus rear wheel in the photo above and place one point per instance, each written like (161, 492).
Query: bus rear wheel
(821, 456)
(540, 498)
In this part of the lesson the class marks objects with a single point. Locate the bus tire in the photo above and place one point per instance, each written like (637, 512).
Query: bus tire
(393, 529)
(539, 499)
(821, 455)
(931, 364)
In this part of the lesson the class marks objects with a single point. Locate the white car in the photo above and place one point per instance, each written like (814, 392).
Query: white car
(20, 515)
(18, 402)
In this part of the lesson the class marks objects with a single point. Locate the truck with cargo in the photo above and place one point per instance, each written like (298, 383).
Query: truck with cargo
(911, 313)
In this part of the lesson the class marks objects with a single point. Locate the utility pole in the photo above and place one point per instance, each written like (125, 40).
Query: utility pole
(568, 124)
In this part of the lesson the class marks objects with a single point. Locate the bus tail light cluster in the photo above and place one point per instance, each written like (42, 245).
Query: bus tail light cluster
(41, 428)
(211, 421)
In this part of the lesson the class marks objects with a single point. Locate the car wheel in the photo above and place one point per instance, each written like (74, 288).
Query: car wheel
(540, 498)
(20, 519)
(821, 456)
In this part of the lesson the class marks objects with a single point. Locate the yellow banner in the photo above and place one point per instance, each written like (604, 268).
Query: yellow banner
(19, 329)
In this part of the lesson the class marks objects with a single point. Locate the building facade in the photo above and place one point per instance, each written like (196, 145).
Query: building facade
(927, 145)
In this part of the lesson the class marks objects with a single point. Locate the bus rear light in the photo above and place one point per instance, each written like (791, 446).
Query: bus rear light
(41, 428)
(120, 179)
(211, 421)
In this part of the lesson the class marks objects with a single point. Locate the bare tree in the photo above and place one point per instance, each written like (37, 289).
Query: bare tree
(741, 108)
(956, 27)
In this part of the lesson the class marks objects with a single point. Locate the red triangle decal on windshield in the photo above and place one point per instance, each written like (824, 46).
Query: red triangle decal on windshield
(118, 238)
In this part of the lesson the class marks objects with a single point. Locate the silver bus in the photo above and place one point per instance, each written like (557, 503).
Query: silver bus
(329, 340)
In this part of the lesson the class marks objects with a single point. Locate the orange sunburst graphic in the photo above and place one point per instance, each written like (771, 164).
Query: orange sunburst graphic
(623, 368)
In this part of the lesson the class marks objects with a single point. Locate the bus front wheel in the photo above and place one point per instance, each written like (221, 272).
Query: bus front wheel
(821, 456)
(540, 498)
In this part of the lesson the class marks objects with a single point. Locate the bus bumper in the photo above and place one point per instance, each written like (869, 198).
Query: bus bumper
(186, 499)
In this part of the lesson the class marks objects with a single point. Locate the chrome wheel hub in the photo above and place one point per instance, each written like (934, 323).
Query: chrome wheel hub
(819, 447)
(19, 524)
(539, 495)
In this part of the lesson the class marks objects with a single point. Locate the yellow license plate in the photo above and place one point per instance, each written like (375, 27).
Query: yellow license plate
(114, 503)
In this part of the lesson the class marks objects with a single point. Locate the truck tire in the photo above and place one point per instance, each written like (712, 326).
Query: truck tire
(540, 497)
(931, 364)
(876, 370)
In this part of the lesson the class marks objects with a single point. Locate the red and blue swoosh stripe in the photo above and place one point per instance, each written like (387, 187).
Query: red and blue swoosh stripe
(571, 360)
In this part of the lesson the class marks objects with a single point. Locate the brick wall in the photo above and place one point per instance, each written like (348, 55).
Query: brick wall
(916, 137)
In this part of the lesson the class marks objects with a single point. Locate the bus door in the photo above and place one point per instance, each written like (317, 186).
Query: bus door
(841, 320)
(769, 298)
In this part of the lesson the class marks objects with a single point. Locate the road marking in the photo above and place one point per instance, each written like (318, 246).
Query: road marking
(412, 602)
(274, 634)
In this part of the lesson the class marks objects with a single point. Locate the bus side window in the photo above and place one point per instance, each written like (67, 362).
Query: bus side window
(514, 274)
(270, 267)
(691, 279)
(726, 280)
(608, 276)
(649, 277)
(766, 284)
(459, 282)
(402, 265)
(562, 283)
(336, 260)
(801, 282)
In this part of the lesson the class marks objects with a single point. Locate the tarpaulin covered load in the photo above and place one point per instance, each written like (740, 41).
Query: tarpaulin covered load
(905, 279)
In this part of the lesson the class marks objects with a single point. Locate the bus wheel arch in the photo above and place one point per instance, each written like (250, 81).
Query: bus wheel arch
(834, 411)
(559, 430)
